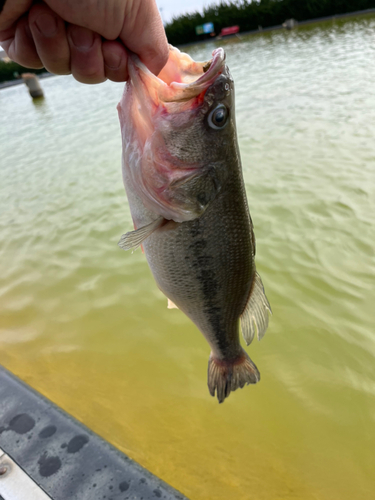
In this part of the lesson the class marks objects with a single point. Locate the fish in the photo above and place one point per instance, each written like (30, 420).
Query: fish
(183, 179)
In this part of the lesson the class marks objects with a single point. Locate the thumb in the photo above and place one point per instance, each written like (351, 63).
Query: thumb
(143, 33)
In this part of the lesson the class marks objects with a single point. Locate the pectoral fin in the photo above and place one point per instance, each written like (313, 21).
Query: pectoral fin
(256, 313)
(133, 239)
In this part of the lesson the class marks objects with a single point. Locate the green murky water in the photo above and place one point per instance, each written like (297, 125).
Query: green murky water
(84, 323)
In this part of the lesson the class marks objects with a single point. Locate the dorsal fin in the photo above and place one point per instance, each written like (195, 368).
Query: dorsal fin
(133, 239)
(256, 312)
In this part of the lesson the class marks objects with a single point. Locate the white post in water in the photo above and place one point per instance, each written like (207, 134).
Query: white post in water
(32, 82)
(289, 24)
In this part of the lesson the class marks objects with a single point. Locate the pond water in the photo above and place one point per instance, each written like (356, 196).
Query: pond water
(84, 323)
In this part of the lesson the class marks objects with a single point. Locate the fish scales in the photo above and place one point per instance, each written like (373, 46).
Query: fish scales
(183, 178)
(205, 269)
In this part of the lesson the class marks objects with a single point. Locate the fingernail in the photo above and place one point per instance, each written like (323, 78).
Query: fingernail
(112, 60)
(46, 24)
(82, 38)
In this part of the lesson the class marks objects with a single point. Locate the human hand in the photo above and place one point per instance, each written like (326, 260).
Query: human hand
(87, 38)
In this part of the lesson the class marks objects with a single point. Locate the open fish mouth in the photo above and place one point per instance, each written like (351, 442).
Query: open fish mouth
(180, 80)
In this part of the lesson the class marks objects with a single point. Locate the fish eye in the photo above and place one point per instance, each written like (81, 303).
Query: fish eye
(218, 117)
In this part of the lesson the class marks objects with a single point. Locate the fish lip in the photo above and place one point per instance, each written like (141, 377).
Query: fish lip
(216, 66)
(178, 91)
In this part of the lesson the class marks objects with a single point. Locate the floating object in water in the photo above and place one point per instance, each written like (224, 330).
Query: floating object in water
(32, 82)
(289, 24)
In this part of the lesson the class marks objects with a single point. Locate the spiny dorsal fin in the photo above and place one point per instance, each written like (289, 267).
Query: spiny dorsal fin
(256, 313)
(135, 238)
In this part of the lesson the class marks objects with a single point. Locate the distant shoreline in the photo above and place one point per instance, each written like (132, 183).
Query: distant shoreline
(280, 26)
(242, 33)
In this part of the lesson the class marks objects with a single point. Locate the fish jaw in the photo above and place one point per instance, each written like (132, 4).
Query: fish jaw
(152, 111)
(181, 79)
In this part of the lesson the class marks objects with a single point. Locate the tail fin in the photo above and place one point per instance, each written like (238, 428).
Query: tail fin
(227, 376)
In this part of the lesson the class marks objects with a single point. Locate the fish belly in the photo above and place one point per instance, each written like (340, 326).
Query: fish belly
(206, 267)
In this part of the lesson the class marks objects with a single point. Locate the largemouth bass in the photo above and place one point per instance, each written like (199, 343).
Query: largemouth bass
(183, 178)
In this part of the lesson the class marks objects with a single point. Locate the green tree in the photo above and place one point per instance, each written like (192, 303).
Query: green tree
(248, 15)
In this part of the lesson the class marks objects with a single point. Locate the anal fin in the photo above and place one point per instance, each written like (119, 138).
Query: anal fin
(133, 239)
(256, 314)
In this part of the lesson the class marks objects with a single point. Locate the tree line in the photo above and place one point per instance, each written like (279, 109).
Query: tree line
(249, 15)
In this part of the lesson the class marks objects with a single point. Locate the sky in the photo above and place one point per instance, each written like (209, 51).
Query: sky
(170, 8)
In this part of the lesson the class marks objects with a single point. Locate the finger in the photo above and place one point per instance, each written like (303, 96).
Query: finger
(50, 38)
(7, 37)
(103, 17)
(12, 11)
(86, 57)
(18, 43)
(144, 34)
(115, 61)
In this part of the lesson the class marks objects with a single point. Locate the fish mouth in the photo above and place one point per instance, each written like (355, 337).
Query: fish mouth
(180, 80)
